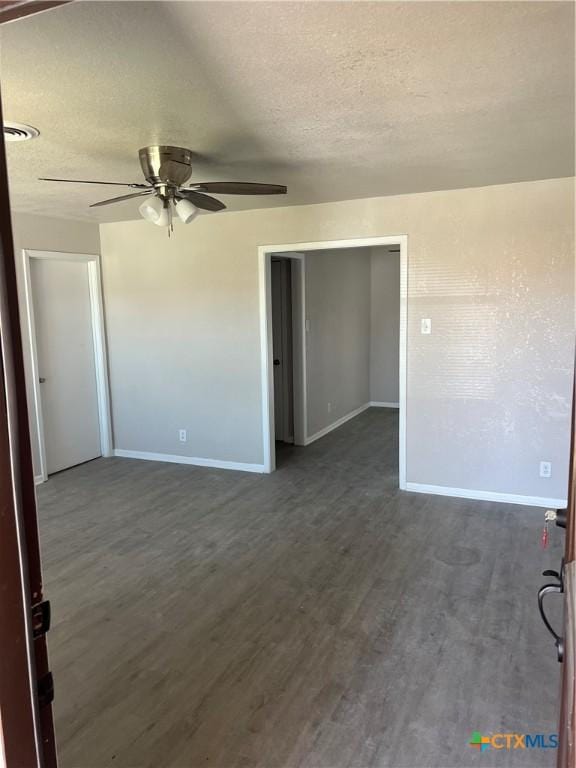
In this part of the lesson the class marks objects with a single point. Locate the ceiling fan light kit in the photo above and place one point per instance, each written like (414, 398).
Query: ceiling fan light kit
(151, 209)
(186, 211)
(167, 170)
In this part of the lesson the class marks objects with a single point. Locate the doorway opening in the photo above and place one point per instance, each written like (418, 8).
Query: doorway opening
(287, 285)
(66, 356)
(282, 348)
(300, 297)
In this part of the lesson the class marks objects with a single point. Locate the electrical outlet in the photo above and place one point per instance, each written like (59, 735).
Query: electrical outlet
(545, 469)
(329, 407)
(182, 435)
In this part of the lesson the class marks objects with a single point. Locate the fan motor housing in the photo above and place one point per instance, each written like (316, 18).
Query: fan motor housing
(165, 165)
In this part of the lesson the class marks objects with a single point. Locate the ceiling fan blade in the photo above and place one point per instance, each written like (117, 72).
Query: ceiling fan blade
(240, 188)
(205, 202)
(108, 183)
(122, 197)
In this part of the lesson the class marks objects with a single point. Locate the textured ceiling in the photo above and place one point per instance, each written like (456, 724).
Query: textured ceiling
(336, 100)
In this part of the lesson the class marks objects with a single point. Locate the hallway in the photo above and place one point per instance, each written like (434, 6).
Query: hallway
(314, 617)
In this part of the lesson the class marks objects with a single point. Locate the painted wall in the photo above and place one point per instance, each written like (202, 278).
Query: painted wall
(338, 339)
(42, 233)
(384, 326)
(488, 392)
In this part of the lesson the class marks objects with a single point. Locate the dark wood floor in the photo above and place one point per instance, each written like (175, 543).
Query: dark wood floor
(316, 617)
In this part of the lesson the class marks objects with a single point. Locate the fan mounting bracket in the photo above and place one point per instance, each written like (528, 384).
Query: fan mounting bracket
(164, 165)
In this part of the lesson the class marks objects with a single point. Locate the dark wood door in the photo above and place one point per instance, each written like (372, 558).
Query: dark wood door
(25, 681)
(11, 10)
(567, 727)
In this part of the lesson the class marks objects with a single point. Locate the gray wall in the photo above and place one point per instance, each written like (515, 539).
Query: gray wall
(338, 339)
(384, 326)
(183, 340)
(44, 233)
(489, 392)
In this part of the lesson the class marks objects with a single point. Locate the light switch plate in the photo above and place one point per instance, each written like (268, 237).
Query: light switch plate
(426, 326)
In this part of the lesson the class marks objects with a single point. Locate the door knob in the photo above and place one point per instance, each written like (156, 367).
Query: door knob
(276, 361)
(42, 380)
(548, 589)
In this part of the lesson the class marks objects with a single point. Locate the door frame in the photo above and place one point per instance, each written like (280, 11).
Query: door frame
(99, 338)
(298, 250)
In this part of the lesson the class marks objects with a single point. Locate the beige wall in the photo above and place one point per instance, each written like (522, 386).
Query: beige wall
(488, 392)
(338, 338)
(42, 233)
(384, 326)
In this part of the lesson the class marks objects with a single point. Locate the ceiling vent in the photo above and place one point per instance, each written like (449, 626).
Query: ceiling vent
(19, 132)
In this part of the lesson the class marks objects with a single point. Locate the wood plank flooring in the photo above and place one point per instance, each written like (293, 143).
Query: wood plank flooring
(316, 617)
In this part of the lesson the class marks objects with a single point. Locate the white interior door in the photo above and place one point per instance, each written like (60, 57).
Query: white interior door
(66, 362)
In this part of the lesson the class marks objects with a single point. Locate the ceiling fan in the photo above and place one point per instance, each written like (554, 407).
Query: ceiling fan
(167, 170)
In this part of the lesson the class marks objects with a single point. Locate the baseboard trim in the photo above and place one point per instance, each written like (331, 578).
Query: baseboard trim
(380, 404)
(336, 424)
(38, 479)
(506, 498)
(194, 461)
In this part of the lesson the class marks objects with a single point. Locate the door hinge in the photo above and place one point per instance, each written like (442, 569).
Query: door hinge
(45, 690)
(41, 616)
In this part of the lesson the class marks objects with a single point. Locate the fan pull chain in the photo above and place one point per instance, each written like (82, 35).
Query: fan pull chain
(170, 220)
